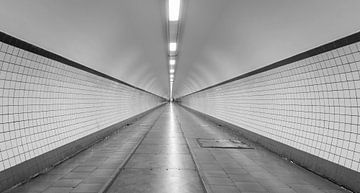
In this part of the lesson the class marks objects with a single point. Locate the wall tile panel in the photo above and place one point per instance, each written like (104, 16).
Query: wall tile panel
(45, 104)
(311, 104)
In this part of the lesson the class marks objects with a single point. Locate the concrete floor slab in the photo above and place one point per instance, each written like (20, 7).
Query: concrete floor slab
(169, 159)
(248, 170)
(91, 169)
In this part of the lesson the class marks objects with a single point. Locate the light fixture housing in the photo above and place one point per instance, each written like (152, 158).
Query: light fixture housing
(174, 10)
(172, 62)
(172, 46)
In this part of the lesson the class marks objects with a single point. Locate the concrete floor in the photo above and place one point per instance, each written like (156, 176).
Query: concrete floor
(159, 153)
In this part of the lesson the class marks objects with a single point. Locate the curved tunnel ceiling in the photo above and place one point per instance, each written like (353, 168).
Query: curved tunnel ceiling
(227, 38)
(122, 38)
(126, 39)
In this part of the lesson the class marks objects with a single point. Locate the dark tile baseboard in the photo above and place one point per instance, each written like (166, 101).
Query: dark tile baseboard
(338, 174)
(25, 170)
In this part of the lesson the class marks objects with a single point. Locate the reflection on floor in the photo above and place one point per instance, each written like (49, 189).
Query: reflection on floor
(162, 163)
(170, 159)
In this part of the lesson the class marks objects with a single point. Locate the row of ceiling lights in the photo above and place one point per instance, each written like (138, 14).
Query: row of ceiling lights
(173, 28)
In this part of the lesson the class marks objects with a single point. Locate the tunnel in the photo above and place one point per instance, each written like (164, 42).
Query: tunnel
(179, 96)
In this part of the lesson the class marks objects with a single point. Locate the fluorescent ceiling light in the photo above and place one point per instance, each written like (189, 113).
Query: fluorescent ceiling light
(172, 46)
(172, 62)
(172, 70)
(174, 10)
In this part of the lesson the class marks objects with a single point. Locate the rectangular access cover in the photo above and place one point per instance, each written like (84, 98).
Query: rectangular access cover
(222, 143)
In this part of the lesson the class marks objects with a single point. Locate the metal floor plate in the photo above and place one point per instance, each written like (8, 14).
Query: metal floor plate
(222, 143)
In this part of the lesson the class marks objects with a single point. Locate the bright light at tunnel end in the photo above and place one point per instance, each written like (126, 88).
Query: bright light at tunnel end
(174, 10)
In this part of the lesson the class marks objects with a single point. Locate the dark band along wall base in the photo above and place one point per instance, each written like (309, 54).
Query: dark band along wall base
(26, 169)
(343, 176)
(309, 102)
(48, 102)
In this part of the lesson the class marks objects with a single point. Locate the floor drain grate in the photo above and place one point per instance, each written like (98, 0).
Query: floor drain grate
(222, 143)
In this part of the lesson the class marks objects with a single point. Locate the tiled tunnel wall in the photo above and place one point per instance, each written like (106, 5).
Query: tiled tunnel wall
(309, 102)
(46, 104)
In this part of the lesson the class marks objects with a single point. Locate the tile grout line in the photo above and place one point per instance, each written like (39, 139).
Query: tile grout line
(205, 186)
(108, 184)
